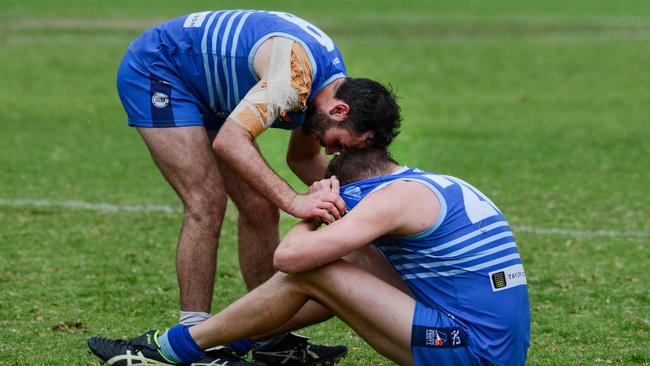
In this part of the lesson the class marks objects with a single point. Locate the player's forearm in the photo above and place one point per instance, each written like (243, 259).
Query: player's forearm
(298, 251)
(310, 169)
(304, 157)
(234, 147)
(304, 247)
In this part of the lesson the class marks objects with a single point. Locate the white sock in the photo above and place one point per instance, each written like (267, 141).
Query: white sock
(190, 318)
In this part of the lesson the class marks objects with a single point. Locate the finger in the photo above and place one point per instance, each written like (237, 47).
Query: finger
(324, 216)
(331, 209)
(336, 185)
(319, 186)
(334, 211)
(330, 219)
(337, 201)
(340, 205)
(326, 185)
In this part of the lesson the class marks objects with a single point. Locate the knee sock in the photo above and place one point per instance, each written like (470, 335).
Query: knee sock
(190, 318)
(178, 346)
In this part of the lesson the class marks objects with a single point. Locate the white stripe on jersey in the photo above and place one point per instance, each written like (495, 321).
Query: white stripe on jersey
(206, 61)
(435, 264)
(480, 243)
(461, 270)
(215, 58)
(465, 237)
(428, 253)
(233, 50)
(423, 254)
(224, 43)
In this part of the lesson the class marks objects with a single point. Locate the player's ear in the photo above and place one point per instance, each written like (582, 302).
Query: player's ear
(339, 111)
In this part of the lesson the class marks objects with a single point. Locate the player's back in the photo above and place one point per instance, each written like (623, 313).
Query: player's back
(212, 51)
(466, 265)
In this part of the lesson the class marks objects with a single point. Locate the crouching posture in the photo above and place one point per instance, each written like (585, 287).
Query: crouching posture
(462, 298)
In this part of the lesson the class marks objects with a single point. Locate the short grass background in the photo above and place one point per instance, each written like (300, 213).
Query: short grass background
(545, 106)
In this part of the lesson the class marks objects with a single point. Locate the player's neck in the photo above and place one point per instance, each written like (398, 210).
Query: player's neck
(393, 168)
(327, 92)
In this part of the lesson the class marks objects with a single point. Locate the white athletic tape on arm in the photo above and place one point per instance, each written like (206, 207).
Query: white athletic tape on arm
(281, 93)
(285, 88)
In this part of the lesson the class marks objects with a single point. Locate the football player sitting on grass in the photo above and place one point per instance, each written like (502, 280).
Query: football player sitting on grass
(462, 298)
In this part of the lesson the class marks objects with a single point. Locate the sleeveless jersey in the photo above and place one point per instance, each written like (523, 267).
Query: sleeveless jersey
(466, 265)
(212, 52)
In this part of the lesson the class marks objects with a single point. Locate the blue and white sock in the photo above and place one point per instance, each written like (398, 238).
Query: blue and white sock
(178, 346)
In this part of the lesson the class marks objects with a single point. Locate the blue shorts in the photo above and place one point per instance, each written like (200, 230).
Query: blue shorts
(154, 95)
(437, 339)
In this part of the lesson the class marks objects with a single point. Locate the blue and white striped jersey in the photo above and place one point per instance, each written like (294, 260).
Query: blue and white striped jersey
(212, 52)
(466, 265)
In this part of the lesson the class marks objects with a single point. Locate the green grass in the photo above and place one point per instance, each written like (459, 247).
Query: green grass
(542, 105)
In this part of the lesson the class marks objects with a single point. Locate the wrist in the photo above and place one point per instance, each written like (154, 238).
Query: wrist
(288, 204)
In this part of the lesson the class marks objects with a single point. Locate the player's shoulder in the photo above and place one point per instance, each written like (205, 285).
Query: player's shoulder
(410, 205)
(403, 192)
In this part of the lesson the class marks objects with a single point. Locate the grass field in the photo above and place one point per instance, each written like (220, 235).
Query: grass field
(545, 106)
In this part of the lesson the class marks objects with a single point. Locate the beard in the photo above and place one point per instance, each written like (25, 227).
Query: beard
(316, 122)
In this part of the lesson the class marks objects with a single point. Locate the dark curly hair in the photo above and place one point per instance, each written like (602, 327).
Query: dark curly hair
(373, 107)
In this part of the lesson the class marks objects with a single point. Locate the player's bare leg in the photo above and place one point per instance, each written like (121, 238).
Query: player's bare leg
(258, 234)
(185, 158)
(377, 311)
(372, 260)
(257, 229)
(369, 259)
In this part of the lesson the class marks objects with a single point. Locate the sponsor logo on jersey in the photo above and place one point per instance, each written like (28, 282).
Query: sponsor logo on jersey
(195, 20)
(498, 279)
(159, 100)
(508, 277)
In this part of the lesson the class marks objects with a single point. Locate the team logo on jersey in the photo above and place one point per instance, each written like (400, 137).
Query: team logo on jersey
(159, 100)
(509, 277)
(353, 191)
(442, 337)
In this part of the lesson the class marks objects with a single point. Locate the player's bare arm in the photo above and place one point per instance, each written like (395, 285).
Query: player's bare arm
(305, 158)
(401, 208)
(284, 86)
(235, 147)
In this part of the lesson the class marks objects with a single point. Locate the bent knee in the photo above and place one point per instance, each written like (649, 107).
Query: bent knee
(318, 276)
(259, 212)
(206, 205)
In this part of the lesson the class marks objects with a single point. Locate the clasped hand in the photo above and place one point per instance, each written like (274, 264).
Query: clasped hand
(323, 201)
